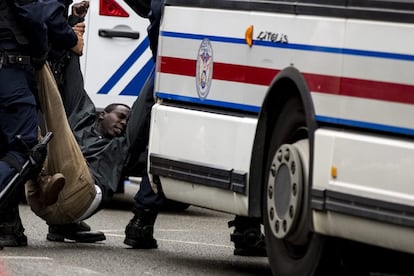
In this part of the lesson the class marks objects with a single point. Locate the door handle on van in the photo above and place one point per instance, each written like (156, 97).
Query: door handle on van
(117, 33)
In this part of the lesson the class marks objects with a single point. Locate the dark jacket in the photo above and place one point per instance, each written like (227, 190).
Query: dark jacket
(10, 29)
(44, 23)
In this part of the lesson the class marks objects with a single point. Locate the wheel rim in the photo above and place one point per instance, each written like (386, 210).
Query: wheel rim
(284, 191)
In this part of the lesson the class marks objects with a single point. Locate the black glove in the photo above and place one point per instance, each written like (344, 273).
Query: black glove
(38, 155)
(74, 19)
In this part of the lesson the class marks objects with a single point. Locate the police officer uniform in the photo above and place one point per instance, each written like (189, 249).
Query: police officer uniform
(139, 230)
(18, 115)
(24, 38)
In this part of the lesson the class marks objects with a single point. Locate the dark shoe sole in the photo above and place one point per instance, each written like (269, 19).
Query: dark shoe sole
(13, 241)
(251, 252)
(152, 244)
(82, 237)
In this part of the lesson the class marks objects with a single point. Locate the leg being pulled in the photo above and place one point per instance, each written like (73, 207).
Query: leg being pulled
(77, 231)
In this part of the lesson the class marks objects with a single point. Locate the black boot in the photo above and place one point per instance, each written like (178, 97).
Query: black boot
(247, 237)
(11, 228)
(140, 229)
(77, 231)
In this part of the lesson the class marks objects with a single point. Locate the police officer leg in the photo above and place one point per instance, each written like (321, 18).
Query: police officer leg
(19, 117)
(140, 229)
(247, 237)
(137, 131)
(11, 227)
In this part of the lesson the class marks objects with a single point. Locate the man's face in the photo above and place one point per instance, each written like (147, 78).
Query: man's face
(112, 124)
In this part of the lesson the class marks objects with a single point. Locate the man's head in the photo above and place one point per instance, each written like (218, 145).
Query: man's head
(112, 121)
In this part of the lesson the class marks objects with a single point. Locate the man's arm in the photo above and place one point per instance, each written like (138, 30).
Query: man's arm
(76, 19)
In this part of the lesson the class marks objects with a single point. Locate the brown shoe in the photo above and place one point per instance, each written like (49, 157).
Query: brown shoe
(50, 187)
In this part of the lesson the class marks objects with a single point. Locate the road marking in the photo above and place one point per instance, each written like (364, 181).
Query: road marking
(28, 262)
(197, 243)
(158, 230)
(26, 258)
(180, 241)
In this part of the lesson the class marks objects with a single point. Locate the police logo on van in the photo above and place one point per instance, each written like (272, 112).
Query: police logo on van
(204, 72)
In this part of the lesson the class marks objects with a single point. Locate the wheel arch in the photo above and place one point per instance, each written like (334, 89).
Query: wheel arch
(288, 83)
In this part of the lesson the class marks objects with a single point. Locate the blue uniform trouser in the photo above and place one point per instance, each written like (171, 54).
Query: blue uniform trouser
(18, 116)
(140, 118)
(146, 198)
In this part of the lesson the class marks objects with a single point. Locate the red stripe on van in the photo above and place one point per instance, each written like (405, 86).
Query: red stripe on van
(385, 91)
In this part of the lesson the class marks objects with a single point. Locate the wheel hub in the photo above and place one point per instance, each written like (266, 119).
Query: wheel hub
(284, 190)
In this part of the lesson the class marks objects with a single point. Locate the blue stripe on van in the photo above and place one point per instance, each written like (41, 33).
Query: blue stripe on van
(302, 47)
(106, 88)
(366, 125)
(134, 87)
(249, 108)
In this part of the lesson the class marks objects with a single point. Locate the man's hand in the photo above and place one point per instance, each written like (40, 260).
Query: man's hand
(80, 9)
(79, 28)
(78, 48)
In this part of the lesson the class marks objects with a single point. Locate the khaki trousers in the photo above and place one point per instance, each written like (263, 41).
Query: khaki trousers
(64, 156)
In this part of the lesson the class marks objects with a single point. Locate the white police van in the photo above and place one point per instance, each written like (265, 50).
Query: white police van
(298, 112)
(117, 59)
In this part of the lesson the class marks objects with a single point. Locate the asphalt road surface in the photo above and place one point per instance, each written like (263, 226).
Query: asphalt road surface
(193, 242)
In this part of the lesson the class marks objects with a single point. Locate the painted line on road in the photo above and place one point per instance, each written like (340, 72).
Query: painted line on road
(26, 258)
(180, 241)
(158, 230)
(197, 243)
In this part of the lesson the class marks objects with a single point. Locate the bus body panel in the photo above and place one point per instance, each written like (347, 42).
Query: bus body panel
(386, 235)
(362, 87)
(204, 143)
(365, 165)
